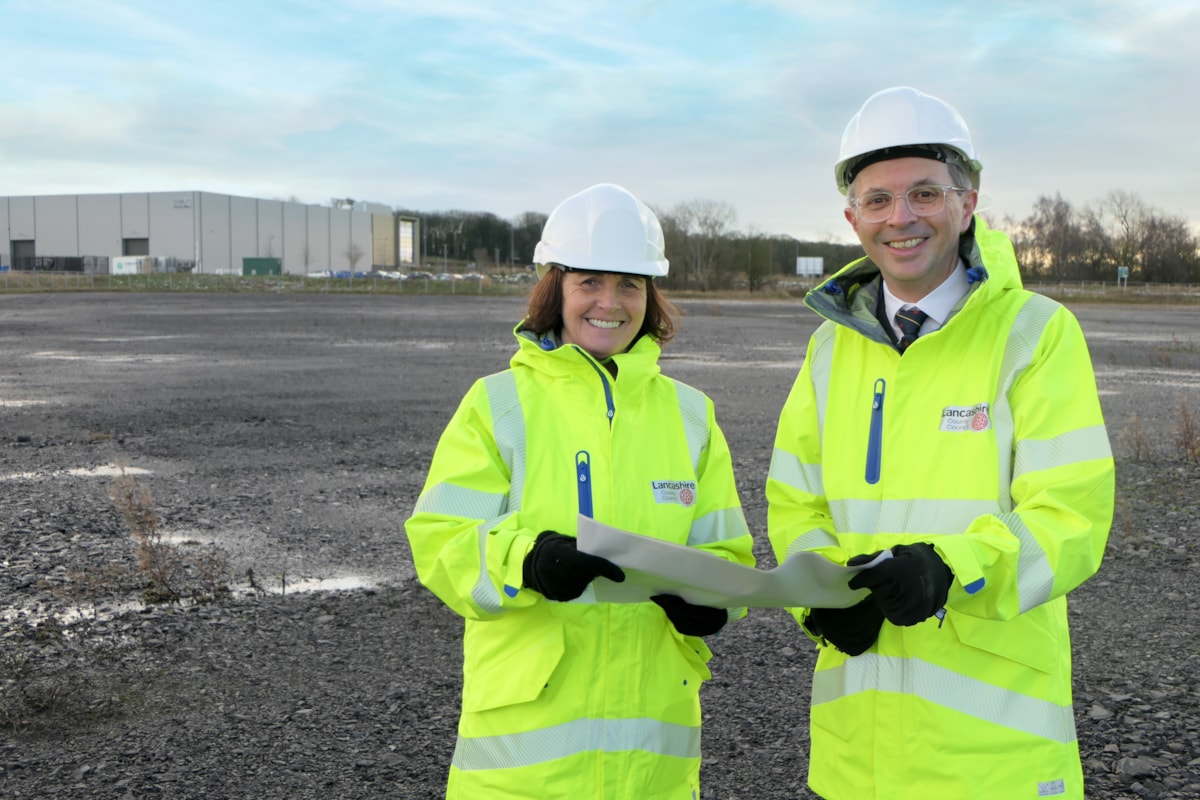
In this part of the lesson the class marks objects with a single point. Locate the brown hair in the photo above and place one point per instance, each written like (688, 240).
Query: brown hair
(545, 309)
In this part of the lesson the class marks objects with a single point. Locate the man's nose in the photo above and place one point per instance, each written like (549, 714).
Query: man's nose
(901, 213)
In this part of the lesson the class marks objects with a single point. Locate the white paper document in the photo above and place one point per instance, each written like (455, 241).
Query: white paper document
(653, 566)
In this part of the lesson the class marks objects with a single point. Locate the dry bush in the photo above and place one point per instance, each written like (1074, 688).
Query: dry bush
(170, 574)
(1186, 434)
(158, 561)
(58, 668)
(210, 572)
(87, 585)
(1159, 357)
(56, 673)
(1135, 441)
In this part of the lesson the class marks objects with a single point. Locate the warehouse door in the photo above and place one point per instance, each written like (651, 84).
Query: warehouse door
(135, 247)
(23, 252)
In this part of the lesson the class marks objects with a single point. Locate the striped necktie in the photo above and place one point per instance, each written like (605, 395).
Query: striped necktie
(909, 320)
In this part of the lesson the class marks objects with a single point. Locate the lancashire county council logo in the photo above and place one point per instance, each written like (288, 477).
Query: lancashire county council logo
(966, 419)
(681, 493)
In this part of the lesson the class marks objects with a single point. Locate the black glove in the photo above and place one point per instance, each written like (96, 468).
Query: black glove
(852, 630)
(690, 619)
(557, 569)
(909, 587)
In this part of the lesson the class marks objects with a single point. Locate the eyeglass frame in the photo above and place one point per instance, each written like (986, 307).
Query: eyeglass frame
(856, 202)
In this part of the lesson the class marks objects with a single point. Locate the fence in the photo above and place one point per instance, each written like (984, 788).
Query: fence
(58, 281)
(500, 284)
(60, 263)
(1118, 291)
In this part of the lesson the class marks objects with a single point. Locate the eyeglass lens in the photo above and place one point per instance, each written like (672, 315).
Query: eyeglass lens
(923, 201)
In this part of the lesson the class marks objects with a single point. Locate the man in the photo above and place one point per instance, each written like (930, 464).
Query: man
(949, 417)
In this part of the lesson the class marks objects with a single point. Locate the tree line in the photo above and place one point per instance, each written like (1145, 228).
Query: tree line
(1057, 241)
(1061, 242)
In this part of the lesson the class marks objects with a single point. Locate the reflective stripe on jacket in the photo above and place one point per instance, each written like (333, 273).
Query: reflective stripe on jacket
(985, 439)
(580, 699)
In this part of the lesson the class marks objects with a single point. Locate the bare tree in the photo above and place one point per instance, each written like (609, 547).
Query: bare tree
(675, 243)
(707, 223)
(1053, 239)
(524, 232)
(1113, 232)
(1169, 252)
(354, 254)
(759, 250)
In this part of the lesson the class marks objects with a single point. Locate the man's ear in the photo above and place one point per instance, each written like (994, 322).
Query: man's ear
(970, 203)
(851, 217)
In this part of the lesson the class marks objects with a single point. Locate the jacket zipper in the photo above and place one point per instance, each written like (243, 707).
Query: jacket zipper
(608, 398)
(583, 460)
(583, 479)
(875, 437)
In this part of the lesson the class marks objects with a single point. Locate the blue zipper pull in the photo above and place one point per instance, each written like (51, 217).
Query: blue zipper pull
(583, 477)
(875, 438)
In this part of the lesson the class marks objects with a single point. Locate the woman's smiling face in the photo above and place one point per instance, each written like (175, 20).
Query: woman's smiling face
(602, 312)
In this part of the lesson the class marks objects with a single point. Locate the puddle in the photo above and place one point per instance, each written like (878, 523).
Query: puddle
(59, 355)
(1170, 378)
(126, 339)
(22, 403)
(80, 612)
(282, 582)
(308, 586)
(70, 616)
(106, 471)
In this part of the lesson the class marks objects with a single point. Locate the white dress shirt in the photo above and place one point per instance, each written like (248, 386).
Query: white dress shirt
(937, 304)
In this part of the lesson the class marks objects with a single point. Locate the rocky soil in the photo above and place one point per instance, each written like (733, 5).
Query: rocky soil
(291, 435)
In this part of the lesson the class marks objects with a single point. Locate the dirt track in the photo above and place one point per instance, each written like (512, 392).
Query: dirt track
(294, 432)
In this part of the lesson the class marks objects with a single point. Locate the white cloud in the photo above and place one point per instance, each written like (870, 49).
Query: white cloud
(477, 106)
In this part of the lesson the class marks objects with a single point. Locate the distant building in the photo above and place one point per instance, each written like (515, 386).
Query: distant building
(201, 232)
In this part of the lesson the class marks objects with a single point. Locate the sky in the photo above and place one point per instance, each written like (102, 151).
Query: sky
(482, 106)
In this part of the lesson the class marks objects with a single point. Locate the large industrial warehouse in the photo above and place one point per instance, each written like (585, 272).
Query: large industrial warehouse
(200, 232)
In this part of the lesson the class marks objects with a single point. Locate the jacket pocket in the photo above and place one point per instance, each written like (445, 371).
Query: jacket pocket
(696, 653)
(1024, 640)
(511, 664)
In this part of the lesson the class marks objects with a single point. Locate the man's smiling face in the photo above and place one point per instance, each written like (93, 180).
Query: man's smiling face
(914, 253)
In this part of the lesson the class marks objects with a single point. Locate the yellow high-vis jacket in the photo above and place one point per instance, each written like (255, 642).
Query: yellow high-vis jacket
(581, 699)
(986, 440)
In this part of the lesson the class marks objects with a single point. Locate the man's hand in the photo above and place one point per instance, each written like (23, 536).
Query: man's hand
(557, 569)
(852, 630)
(909, 587)
(690, 619)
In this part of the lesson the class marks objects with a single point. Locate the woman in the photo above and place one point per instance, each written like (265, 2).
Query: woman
(565, 696)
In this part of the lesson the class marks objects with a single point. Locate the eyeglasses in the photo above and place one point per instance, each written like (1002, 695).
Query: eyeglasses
(923, 201)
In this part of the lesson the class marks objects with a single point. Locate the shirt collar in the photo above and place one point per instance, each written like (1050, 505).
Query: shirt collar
(937, 304)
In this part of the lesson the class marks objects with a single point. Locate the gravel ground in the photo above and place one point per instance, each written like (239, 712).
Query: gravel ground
(293, 433)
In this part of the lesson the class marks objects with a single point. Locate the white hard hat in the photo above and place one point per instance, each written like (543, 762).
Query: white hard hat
(603, 228)
(900, 122)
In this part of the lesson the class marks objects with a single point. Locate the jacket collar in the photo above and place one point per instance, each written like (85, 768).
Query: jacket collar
(549, 355)
(852, 296)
